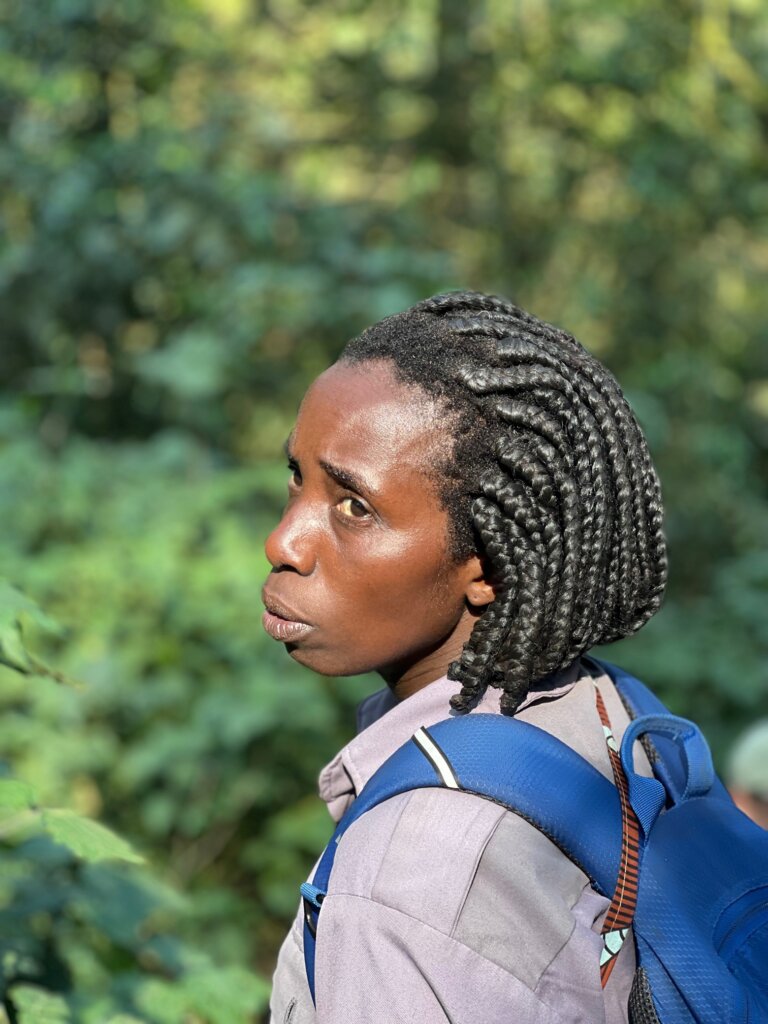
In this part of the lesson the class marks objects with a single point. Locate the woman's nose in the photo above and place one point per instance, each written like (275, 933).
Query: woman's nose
(291, 545)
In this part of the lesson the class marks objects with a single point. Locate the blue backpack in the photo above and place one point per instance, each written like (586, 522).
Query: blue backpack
(699, 867)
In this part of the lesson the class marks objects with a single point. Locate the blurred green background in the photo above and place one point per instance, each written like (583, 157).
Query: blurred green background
(200, 202)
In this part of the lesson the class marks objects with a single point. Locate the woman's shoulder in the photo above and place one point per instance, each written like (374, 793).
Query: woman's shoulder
(468, 868)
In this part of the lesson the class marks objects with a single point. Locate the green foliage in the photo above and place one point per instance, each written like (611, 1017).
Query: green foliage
(200, 202)
(94, 937)
(14, 606)
(15, 796)
(35, 1006)
(86, 839)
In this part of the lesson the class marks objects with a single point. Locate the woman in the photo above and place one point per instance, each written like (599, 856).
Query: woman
(472, 506)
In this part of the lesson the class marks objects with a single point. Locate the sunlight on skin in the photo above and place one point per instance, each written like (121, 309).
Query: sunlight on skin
(361, 552)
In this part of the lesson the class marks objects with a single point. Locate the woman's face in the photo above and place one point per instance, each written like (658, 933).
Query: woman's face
(362, 578)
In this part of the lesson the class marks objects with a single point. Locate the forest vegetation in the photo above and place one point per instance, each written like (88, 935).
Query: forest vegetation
(200, 201)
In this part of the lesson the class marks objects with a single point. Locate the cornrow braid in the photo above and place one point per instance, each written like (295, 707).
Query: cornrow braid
(548, 477)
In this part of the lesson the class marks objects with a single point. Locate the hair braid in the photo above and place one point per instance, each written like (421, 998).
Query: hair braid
(621, 433)
(590, 469)
(548, 477)
(538, 501)
(476, 666)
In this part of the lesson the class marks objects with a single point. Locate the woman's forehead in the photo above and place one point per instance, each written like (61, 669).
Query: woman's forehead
(361, 412)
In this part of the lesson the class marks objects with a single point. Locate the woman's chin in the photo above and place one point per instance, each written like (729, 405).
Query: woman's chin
(315, 660)
(324, 663)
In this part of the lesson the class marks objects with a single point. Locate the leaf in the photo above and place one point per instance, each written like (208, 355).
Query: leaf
(119, 903)
(13, 602)
(214, 995)
(13, 650)
(165, 1001)
(192, 365)
(16, 796)
(227, 995)
(36, 1006)
(87, 839)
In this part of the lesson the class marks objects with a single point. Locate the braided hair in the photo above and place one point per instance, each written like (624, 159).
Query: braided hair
(548, 478)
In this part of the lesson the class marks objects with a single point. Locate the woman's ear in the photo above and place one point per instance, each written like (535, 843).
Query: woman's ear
(478, 591)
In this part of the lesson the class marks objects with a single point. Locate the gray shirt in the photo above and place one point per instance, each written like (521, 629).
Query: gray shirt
(443, 907)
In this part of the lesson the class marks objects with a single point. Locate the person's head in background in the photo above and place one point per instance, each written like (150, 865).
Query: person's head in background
(747, 772)
(503, 452)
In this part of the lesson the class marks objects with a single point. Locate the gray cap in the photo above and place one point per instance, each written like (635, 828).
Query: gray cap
(748, 762)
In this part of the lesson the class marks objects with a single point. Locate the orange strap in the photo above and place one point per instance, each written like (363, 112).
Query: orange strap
(622, 909)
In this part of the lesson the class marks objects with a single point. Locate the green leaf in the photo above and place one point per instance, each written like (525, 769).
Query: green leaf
(87, 839)
(13, 602)
(165, 1001)
(16, 796)
(13, 650)
(192, 366)
(214, 995)
(119, 903)
(36, 1006)
(228, 995)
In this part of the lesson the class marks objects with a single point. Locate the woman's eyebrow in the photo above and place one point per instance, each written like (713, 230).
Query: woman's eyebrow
(352, 481)
(344, 477)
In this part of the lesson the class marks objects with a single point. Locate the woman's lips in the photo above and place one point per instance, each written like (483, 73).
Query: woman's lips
(284, 630)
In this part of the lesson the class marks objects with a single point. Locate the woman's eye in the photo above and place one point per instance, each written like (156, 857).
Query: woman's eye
(295, 477)
(353, 508)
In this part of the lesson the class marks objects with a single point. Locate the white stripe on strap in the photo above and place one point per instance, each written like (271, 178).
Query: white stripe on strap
(436, 756)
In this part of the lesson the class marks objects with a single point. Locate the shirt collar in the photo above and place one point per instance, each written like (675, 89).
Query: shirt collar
(386, 724)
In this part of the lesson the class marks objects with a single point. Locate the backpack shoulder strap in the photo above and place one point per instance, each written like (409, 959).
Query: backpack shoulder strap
(635, 694)
(513, 763)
